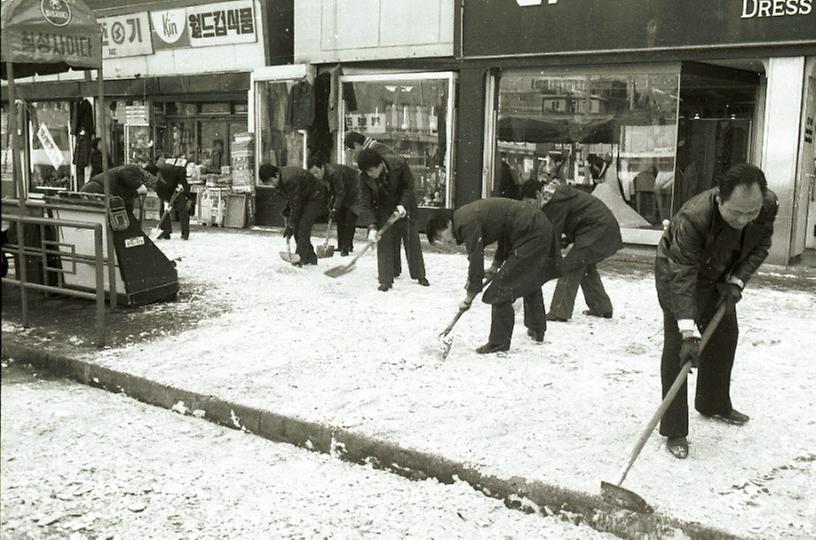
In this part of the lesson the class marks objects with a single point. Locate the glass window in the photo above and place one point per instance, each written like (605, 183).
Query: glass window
(50, 143)
(715, 127)
(280, 144)
(610, 134)
(409, 115)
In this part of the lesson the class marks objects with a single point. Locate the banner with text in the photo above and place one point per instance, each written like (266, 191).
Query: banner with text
(126, 35)
(223, 23)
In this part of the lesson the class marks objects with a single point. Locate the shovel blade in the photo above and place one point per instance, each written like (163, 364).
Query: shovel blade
(445, 344)
(625, 498)
(292, 258)
(324, 251)
(338, 271)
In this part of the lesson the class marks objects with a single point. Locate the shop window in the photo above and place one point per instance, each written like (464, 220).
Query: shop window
(612, 134)
(279, 143)
(50, 145)
(410, 115)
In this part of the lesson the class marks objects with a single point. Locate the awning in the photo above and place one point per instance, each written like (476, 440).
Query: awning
(49, 36)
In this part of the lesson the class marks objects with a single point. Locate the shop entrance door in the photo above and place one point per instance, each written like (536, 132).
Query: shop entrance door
(804, 209)
(717, 107)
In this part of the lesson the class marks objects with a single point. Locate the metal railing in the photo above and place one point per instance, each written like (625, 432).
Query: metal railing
(50, 248)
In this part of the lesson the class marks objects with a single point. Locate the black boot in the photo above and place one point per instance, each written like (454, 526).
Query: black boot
(488, 348)
(678, 446)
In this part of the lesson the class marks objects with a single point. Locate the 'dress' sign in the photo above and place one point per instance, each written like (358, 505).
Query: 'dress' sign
(512, 27)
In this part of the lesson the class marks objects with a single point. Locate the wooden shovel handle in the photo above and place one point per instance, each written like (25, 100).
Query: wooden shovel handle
(675, 388)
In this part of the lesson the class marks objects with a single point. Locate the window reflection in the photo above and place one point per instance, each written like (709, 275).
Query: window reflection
(410, 117)
(610, 134)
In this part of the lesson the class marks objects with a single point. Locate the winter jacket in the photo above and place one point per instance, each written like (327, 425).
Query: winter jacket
(699, 249)
(518, 228)
(343, 181)
(124, 181)
(82, 119)
(169, 178)
(300, 113)
(379, 197)
(299, 187)
(586, 221)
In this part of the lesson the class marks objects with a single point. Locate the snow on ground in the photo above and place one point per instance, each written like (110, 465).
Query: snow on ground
(82, 462)
(565, 412)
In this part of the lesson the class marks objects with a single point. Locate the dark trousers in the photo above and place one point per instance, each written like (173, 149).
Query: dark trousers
(588, 278)
(389, 262)
(303, 232)
(346, 224)
(713, 395)
(182, 213)
(504, 318)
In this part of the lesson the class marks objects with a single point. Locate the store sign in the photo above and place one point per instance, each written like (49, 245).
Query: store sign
(775, 8)
(552, 26)
(56, 12)
(126, 35)
(51, 149)
(207, 25)
(170, 28)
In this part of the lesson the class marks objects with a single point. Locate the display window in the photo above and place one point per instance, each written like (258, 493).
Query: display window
(199, 132)
(411, 114)
(610, 132)
(50, 145)
(281, 137)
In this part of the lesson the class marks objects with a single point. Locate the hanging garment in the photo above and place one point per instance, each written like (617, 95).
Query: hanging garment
(82, 118)
(300, 113)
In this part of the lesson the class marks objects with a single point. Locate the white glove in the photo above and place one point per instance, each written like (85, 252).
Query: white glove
(401, 211)
(466, 303)
(491, 272)
(372, 235)
(166, 206)
(179, 188)
(142, 189)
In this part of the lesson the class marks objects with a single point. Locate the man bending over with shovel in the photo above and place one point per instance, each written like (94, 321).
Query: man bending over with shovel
(527, 256)
(305, 198)
(708, 253)
(174, 192)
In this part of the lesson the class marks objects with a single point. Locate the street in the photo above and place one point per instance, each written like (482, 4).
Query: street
(83, 463)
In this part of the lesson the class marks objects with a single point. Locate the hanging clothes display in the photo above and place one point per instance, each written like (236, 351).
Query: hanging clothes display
(82, 128)
(301, 111)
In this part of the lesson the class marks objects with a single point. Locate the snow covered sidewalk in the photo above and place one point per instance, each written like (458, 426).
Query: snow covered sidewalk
(564, 412)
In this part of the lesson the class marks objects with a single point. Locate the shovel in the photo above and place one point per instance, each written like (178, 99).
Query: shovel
(326, 251)
(342, 270)
(446, 342)
(628, 499)
(287, 255)
(155, 232)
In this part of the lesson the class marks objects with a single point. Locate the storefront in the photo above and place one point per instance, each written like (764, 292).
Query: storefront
(178, 76)
(355, 67)
(644, 104)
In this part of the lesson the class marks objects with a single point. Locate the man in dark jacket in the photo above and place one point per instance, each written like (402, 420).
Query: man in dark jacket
(126, 181)
(342, 182)
(527, 256)
(710, 250)
(305, 199)
(170, 180)
(590, 226)
(386, 184)
(356, 141)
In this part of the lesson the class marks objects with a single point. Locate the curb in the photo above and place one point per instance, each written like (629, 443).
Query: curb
(516, 492)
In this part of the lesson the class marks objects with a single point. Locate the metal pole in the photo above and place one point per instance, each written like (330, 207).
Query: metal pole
(103, 149)
(100, 287)
(18, 180)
